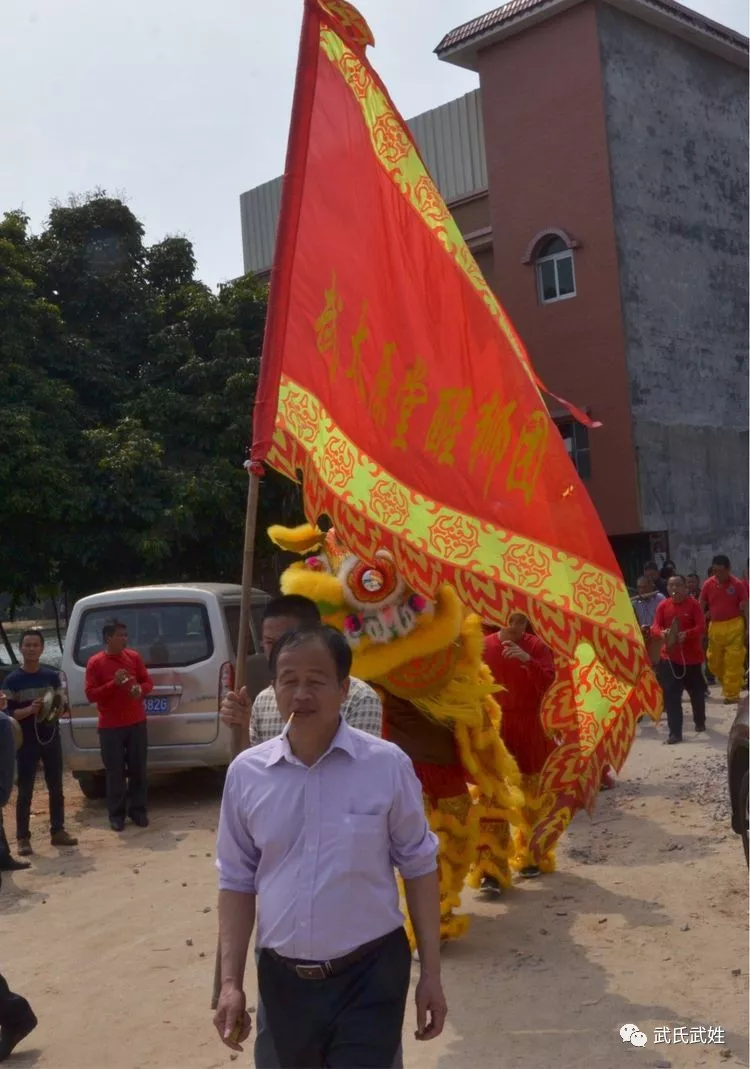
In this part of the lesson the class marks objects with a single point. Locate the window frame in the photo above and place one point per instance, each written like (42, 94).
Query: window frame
(554, 258)
(257, 608)
(112, 610)
(581, 443)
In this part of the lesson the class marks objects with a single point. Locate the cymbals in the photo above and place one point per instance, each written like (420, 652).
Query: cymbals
(52, 706)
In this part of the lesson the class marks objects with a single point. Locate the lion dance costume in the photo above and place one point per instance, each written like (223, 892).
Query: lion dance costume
(425, 658)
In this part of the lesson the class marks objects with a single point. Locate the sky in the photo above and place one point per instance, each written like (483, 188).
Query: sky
(179, 106)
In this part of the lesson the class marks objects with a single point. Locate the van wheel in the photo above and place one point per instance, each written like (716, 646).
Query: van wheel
(744, 808)
(93, 784)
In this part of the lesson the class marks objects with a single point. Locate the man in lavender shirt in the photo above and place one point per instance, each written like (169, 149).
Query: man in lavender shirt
(312, 824)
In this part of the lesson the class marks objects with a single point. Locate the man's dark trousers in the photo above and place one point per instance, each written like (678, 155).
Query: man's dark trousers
(124, 754)
(675, 679)
(265, 1049)
(41, 743)
(352, 1020)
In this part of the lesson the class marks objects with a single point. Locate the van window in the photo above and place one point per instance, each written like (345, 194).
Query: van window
(166, 635)
(232, 617)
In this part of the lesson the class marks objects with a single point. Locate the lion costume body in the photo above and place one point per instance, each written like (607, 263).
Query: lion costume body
(425, 659)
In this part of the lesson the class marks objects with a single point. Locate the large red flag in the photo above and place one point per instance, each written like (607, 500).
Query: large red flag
(395, 386)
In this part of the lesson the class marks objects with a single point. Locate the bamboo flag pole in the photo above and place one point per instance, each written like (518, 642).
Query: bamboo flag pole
(248, 556)
(239, 737)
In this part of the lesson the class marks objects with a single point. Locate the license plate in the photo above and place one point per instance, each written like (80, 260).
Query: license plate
(157, 705)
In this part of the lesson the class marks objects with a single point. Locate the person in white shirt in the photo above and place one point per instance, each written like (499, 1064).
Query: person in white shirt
(288, 612)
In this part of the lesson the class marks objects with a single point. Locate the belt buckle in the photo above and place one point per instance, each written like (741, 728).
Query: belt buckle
(312, 972)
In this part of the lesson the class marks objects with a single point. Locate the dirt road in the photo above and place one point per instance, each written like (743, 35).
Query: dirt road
(645, 923)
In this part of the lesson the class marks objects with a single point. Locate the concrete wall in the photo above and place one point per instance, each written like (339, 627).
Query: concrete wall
(678, 144)
(547, 163)
(472, 214)
(473, 218)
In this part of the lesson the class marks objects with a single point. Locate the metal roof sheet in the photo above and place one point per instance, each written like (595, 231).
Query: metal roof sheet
(451, 141)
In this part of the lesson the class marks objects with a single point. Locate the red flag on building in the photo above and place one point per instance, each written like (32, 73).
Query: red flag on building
(395, 386)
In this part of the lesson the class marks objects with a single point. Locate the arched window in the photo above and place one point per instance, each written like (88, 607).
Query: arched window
(555, 274)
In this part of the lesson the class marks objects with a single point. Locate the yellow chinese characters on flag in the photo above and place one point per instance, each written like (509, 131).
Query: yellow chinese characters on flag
(394, 385)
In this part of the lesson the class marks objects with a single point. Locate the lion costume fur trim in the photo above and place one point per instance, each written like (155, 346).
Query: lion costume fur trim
(322, 588)
(459, 699)
(536, 808)
(302, 539)
(455, 821)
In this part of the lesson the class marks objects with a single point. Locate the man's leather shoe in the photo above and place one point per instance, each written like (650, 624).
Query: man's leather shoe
(21, 1020)
(117, 825)
(63, 838)
(140, 819)
(12, 864)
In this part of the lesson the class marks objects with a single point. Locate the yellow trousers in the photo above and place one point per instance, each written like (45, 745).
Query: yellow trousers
(534, 841)
(494, 845)
(455, 821)
(726, 655)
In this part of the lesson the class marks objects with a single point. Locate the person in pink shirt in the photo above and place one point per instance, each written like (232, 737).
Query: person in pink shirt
(313, 823)
(680, 622)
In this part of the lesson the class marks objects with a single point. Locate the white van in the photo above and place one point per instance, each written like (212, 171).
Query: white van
(187, 637)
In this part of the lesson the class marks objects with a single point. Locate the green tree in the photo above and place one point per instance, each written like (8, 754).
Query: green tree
(127, 389)
(198, 387)
(38, 425)
(92, 261)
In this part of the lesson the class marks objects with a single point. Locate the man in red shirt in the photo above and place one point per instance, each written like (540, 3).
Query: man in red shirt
(522, 664)
(679, 621)
(724, 599)
(117, 681)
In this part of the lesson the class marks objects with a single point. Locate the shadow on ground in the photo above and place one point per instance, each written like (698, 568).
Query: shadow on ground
(178, 803)
(533, 936)
(25, 1059)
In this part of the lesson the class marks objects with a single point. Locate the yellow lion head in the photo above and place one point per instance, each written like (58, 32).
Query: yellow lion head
(395, 633)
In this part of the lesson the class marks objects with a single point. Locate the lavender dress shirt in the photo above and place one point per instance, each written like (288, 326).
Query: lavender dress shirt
(318, 845)
(645, 608)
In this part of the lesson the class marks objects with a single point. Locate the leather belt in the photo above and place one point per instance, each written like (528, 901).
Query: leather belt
(321, 970)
